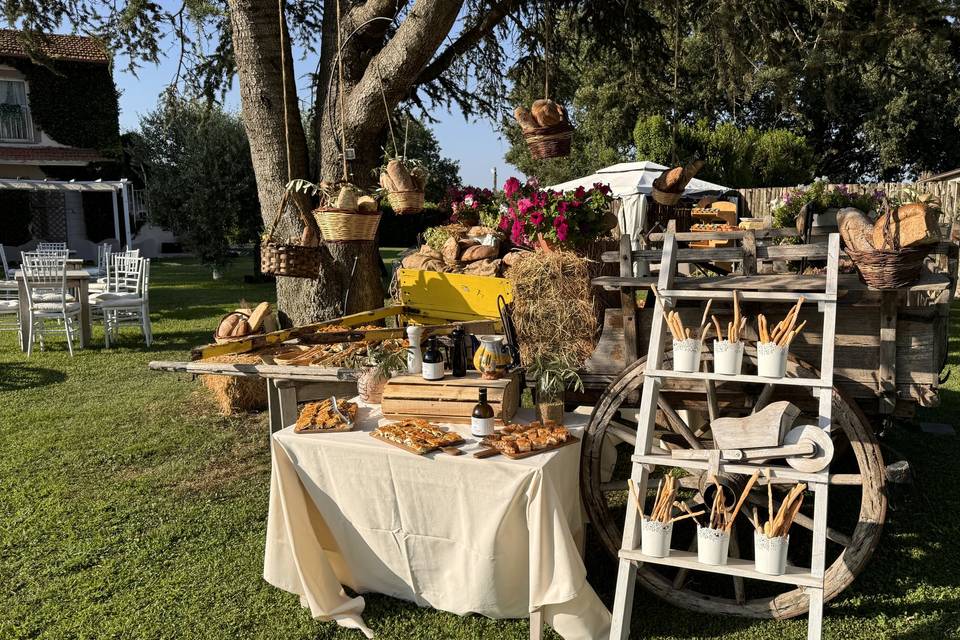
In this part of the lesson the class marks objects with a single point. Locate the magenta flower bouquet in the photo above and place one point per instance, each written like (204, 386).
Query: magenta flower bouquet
(567, 219)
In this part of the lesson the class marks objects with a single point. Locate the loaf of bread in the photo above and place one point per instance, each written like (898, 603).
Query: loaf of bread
(480, 252)
(669, 180)
(910, 225)
(856, 229)
(525, 119)
(547, 112)
(366, 204)
(400, 177)
(347, 198)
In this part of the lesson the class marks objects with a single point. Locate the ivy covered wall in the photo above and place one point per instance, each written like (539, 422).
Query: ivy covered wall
(75, 103)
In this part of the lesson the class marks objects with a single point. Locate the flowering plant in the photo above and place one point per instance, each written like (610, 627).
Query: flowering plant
(473, 205)
(822, 195)
(564, 218)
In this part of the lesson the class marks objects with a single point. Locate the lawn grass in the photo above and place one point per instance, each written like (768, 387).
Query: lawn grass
(130, 509)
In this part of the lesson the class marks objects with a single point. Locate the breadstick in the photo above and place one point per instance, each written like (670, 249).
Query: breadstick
(762, 326)
(689, 333)
(672, 325)
(736, 310)
(706, 313)
(743, 497)
(756, 521)
(705, 332)
(685, 516)
(743, 324)
(636, 499)
(766, 473)
(716, 323)
(730, 332)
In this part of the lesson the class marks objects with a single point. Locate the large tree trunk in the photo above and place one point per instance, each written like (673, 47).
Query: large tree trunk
(349, 267)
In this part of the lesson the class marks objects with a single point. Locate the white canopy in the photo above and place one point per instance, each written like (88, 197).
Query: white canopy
(632, 182)
(628, 178)
(119, 188)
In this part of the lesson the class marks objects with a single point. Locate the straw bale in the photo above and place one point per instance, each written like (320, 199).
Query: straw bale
(553, 309)
(236, 394)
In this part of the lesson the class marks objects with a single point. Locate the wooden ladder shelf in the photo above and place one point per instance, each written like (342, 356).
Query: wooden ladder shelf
(644, 459)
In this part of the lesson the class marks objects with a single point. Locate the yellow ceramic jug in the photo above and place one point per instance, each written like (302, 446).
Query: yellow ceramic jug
(491, 357)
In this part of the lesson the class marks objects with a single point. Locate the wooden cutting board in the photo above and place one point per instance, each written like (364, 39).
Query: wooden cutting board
(400, 445)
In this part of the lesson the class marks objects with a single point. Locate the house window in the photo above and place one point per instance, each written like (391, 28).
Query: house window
(15, 124)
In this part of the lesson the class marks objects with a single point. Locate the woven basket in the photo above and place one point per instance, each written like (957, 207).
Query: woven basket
(549, 142)
(344, 225)
(290, 260)
(886, 269)
(889, 269)
(665, 198)
(405, 202)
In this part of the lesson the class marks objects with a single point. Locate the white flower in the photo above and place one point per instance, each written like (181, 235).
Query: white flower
(468, 200)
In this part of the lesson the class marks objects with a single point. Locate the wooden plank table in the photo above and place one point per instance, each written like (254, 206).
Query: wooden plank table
(78, 281)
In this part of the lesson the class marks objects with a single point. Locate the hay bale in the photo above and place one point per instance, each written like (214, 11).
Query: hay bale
(236, 394)
(553, 306)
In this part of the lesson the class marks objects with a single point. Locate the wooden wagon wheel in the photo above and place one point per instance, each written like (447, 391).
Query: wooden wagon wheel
(859, 467)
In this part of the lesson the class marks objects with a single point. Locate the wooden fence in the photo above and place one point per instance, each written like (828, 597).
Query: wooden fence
(757, 201)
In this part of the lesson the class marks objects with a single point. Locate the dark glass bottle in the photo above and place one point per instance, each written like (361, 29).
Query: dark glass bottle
(481, 421)
(458, 360)
(432, 361)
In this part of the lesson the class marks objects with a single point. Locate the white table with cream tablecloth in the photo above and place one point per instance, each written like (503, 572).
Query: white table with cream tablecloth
(493, 536)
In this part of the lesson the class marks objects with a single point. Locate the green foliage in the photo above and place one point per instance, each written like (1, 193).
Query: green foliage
(387, 359)
(821, 195)
(199, 179)
(554, 375)
(75, 103)
(737, 158)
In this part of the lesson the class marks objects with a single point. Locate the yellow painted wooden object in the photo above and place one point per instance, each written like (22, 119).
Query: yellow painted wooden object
(454, 296)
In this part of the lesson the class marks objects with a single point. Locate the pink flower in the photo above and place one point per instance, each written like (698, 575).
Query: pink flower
(536, 217)
(511, 186)
(504, 223)
(533, 182)
(525, 204)
(562, 206)
(468, 200)
(602, 188)
(562, 231)
(559, 220)
(579, 193)
(516, 233)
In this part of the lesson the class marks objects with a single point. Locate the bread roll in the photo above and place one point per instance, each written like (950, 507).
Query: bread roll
(483, 268)
(347, 199)
(480, 252)
(387, 183)
(547, 112)
(856, 229)
(227, 325)
(366, 204)
(524, 119)
(451, 251)
(242, 328)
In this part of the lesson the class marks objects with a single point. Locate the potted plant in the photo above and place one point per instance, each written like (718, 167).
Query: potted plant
(381, 364)
(554, 375)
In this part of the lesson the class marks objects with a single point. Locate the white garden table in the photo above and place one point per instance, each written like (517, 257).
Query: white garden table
(494, 536)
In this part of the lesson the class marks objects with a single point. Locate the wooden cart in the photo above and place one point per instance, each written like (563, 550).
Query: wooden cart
(439, 301)
(890, 347)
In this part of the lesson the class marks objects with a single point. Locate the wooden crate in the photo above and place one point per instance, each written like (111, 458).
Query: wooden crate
(450, 399)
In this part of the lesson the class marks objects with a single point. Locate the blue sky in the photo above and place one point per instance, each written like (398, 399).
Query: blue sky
(475, 144)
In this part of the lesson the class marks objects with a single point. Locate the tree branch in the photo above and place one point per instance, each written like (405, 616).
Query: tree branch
(468, 38)
(402, 59)
(372, 9)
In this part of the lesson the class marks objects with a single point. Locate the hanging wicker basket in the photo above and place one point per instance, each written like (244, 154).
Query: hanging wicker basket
(345, 225)
(287, 259)
(890, 269)
(665, 198)
(405, 202)
(549, 142)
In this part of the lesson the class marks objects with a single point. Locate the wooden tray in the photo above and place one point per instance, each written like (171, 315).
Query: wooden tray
(491, 452)
(334, 430)
(420, 453)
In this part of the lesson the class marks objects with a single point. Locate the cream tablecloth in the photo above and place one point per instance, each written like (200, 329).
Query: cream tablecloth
(495, 536)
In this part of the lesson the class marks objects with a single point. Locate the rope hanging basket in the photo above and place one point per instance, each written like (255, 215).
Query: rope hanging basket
(288, 259)
(345, 225)
(406, 202)
(549, 142)
(665, 198)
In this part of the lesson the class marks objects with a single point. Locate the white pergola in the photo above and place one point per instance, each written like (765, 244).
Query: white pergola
(119, 188)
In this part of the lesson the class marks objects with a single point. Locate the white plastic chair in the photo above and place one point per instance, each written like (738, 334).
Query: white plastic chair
(44, 247)
(103, 257)
(7, 281)
(127, 298)
(101, 284)
(10, 307)
(45, 280)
